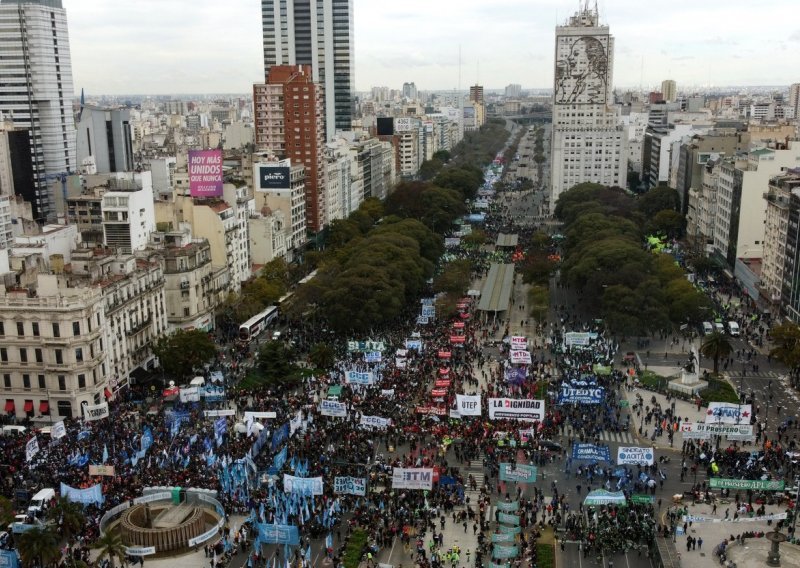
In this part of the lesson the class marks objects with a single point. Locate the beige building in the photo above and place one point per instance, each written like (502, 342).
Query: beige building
(669, 90)
(53, 353)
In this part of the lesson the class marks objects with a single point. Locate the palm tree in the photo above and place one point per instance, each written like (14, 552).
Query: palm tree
(68, 517)
(38, 546)
(716, 346)
(110, 544)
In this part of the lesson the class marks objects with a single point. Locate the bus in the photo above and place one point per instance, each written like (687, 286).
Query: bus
(258, 323)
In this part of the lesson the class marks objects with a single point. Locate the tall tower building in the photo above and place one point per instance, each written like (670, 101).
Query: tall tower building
(476, 93)
(794, 99)
(588, 141)
(318, 33)
(289, 124)
(669, 90)
(37, 92)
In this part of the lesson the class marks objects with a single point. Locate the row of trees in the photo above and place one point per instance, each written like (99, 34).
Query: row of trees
(605, 259)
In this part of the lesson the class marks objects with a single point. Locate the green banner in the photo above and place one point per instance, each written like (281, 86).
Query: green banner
(601, 369)
(642, 499)
(493, 565)
(508, 507)
(509, 530)
(503, 537)
(501, 551)
(508, 519)
(756, 484)
(520, 473)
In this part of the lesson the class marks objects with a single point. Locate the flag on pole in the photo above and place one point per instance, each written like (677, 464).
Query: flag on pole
(105, 453)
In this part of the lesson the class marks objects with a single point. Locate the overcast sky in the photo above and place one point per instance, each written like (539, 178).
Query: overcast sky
(213, 46)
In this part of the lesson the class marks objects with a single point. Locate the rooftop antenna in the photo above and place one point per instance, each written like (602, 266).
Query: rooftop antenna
(459, 67)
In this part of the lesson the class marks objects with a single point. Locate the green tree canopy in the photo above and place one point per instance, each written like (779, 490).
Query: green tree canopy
(276, 361)
(68, 517)
(183, 351)
(322, 356)
(658, 199)
(38, 547)
(716, 346)
(786, 345)
(110, 546)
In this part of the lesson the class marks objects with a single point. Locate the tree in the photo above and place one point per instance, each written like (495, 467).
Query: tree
(110, 545)
(475, 239)
(716, 346)
(442, 155)
(454, 278)
(6, 511)
(322, 356)
(429, 169)
(538, 302)
(466, 180)
(68, 517)
(668, 222)
(786, 341)
(38, 547)
(276, 361)
(183, 351)
(277, 270)
(341, 232)
(659, 199)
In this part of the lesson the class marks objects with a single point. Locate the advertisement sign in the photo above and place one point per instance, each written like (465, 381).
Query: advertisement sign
(590, 452)
(569, 394)
(520, 473)
(404, 123)
(635, 456)
(359, 378)
(412, 478)
(376, 422)
(527, 410)
(520, 358)
(205, 173)
(754, 484)
(96, 412)
(350, 485)
(702, 431)
(302, 485)
(332, 408)
(274, 177)
(101, 470)
(725, 412)
(468, 405)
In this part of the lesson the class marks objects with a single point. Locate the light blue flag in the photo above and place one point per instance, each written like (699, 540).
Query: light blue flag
(105, 453)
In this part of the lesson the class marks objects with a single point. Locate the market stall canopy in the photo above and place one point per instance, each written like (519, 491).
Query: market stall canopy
(507, 240)
(496, 293)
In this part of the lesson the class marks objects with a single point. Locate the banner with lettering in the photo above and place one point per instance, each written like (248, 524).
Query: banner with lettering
(376, 422)
(526, 410)
(372, 357)
(369, 345)
(350, 485)
(58, 431)
(590, 452)
(508, 507)
(520, 357)
(728, 413)
(278, 534)
(359, 377)
(31, 448)
(568, 395)
(508, 519)
(93, 494)
(521, 473)
(519, 343)
(96, 412)
(332, 408)
(468, 405)
(302, 485)
(635, 456)
(412, 478)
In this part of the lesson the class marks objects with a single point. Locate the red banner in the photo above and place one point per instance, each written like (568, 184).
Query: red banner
(459, 325)
(431, 410)
(439, 392)
(444, 371)
(444, 383)
(457, 339)
(444, 354)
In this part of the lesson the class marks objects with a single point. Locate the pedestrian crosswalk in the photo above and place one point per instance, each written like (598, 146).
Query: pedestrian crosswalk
(737, 372)
(620, 437)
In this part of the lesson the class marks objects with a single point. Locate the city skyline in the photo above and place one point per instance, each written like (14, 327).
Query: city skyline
(152, 47)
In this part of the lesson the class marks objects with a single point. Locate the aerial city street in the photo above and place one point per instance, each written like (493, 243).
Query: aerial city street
(254, 316)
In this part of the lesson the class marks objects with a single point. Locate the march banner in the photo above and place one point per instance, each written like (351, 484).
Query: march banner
(93, 494)
(727, 413)
(332, 408)
(500, 551)
(359, 378)
(526, 410)
(350, 485)
(375, 422)
(520, 358)
(31, 448)
(439, 393)
(302, 485)
(508, 519)
(569, 395)
(279, 436)
(509, 529)
(428, 312)
(590, 452)
(278, 534)
(443, 383)
(255, 415)
(503, 537)
(574, 338)
(431, 410)
(414, 344)
(519, 343)
(508, 507)
(445, 354)
(58, 431)
(521, 473)
(703, 431)
(368, 345)
(190, 394)
(516, 375)
(634, 456)
(412, 478)
(96, 412)
(468, 405)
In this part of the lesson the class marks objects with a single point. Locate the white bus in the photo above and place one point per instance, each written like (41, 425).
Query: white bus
(258, 323)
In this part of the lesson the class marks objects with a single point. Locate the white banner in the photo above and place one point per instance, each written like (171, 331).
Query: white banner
(332, 408)
(527, 410)
(400, 362)
(96, 412)
(296, 423)
(350, 485)
(702, 431)
(519, 342)
(31, 448)
(376, 422)
(726, 413)
(190, 394)
(253, 415)
(412, 478)
(58, 430)
(388, 393)
(372, 357)
(302, 485)
(225, 412)
(742, 519)
(520, 358)
(636, 456)
(359, 377)
(468, 405)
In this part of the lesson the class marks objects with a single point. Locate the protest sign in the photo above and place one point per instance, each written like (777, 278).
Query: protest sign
(527, 410)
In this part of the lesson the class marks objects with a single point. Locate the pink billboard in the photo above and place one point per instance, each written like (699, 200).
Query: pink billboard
(205, 173)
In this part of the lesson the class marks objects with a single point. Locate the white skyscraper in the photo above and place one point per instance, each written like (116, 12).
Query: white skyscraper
(317, 33)
(588, 143)
(36, 90)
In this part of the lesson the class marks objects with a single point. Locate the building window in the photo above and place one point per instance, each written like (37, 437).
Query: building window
(23, 355)
(2, 328)
(38, 354)
(3, 355)
(35, 328)
(79, 355)
(76, 327)
(42, 384)
(81, 381)
(59, 357)
(64, 409)
(7, 381)
(26, 381)
(20, 328)
(62, 382)
(56, 330)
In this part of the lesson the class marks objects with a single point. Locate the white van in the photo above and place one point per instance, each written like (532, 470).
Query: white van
(718, 327)
(707, 328)
(12, 429)
(198, 382)
(733, 328)
(38, 501)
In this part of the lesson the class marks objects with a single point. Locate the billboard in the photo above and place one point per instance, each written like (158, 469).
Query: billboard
(274, 177)
(205, 173)
(404, 123)
(385, 125)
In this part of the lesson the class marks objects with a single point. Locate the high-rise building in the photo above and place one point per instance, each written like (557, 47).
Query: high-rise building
(513, 90)
(318, 33)
(588, 141)
(669, 90)
(289, 124)
(37, 92)
(476, 93)
(410, 91)
(794, 99)
(104, 140)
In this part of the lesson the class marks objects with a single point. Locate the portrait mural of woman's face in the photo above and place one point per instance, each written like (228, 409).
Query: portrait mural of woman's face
(581, 76)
